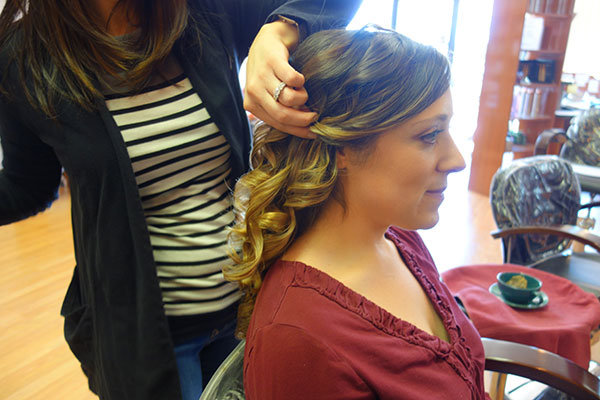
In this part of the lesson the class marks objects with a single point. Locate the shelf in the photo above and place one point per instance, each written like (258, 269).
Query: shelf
(567, 113)
(528, 118)
(504, 104)
(526, 148)
(549, 15)
(543, 52)
(522, 148)
(537, 85)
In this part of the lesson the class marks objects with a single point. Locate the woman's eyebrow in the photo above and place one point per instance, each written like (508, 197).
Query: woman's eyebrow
(437, 118)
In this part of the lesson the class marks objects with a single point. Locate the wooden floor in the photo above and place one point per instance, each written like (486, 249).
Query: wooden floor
(37, 261)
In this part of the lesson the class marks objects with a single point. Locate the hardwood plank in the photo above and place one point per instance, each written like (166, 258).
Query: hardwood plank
(37, 259)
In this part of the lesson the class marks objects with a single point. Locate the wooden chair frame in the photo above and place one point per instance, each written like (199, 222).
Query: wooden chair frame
(555, 135)
(538, 365)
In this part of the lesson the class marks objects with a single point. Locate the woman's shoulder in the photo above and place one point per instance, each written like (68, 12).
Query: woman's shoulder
(300, 296)
(10, 74)
(288, 288)
(11, 42)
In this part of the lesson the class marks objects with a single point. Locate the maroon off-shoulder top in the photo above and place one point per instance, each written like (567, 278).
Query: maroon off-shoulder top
(311, 337)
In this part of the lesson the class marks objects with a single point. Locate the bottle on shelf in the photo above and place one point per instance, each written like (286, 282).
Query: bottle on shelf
(530, 102)
(551, 7)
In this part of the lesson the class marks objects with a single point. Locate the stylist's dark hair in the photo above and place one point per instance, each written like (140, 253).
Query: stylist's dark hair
(361, 83)
(61, 49)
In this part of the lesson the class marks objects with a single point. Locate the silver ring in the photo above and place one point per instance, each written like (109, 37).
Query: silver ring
(278, 90)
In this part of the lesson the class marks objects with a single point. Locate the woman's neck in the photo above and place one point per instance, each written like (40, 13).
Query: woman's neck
(342, 238)
(115, 17)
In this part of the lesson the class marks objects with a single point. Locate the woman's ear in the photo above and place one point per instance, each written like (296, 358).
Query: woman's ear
(341, 158)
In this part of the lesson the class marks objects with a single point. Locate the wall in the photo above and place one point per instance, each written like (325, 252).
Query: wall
(582, 51)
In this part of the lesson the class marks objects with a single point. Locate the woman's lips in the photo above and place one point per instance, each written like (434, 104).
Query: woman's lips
(437, 191)
(437, 194)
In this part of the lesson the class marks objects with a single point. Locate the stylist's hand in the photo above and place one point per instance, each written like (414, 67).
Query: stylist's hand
(267, 67)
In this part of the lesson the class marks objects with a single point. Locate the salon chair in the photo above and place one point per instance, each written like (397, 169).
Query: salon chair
(227, 383)
(580, 142)
(501, 356)
(580, 145)
(535, 203)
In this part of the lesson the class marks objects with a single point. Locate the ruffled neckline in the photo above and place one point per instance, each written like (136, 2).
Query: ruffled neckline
(455, 352)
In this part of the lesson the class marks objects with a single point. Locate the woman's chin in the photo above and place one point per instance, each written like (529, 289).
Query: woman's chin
(422, 224)
(429, 225)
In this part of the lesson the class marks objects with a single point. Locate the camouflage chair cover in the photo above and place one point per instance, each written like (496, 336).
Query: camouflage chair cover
(227, 383)
(583, 144)
(539, 190)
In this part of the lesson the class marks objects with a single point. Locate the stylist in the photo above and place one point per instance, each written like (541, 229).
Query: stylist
(139, 103)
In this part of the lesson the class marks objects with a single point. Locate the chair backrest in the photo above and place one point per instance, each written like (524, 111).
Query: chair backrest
(539, 190)
(227, 383)
(583, 144)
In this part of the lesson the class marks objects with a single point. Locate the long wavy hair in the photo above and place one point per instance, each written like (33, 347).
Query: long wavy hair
(361, 83)
(61, 49)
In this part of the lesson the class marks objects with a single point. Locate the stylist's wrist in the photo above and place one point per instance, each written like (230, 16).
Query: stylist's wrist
(286, 31)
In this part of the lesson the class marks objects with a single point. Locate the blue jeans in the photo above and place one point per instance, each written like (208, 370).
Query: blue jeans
(198, 359)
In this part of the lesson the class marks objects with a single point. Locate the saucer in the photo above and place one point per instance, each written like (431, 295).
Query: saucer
(539, 301)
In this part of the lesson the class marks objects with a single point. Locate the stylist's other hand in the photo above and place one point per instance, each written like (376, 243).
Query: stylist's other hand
(266, 68)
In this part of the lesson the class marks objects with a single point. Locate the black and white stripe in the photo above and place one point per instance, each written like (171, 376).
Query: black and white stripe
(181, 165)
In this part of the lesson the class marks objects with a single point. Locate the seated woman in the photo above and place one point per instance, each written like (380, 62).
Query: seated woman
(344, 298)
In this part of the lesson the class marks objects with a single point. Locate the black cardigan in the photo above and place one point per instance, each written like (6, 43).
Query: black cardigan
(114, 318)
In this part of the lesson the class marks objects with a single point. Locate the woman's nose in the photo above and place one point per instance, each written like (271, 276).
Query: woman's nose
(452, 160)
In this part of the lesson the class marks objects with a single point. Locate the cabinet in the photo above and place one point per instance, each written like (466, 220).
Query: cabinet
(501, 79)
(537, 90)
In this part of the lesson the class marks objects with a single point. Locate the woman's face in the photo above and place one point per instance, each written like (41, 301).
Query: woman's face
(402, 180)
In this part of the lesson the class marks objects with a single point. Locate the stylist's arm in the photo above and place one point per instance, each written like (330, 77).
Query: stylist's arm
(268, 68)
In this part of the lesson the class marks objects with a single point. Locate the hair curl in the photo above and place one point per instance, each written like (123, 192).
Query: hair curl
(361, 83)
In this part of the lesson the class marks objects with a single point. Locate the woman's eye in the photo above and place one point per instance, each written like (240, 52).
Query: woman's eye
(431, 137)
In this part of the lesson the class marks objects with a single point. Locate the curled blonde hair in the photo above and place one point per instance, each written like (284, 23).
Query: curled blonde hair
(361, 83)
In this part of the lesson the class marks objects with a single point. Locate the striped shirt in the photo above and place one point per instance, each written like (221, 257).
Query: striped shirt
(181, 163)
